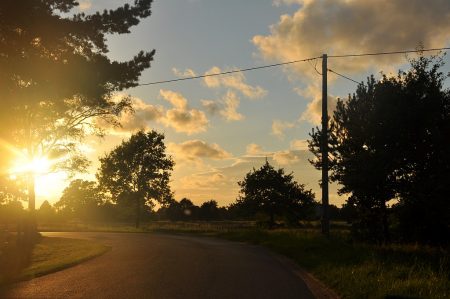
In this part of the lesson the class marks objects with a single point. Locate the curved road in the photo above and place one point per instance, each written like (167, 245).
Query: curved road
(168, 266)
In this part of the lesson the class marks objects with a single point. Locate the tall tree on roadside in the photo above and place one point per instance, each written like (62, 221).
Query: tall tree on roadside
(138, 170)
(275, 193)
(390, 141)
(55, 77)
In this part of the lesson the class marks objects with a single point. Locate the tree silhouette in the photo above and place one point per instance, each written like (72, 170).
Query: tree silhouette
(209, 210)
(274, 193)
(80, 199)
(138, 170)
(390, 141)
(55, 77)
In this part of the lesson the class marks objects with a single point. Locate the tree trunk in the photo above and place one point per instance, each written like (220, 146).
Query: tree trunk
(138, 211)
(386, 235)
(30, 227)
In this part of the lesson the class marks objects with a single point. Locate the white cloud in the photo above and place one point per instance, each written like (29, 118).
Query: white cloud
(181, 118)
(226, 107)
(353, 26)
(204, 181)
(313, 112)
(254, 149)
(193, 150)
(231, 103)
(286, 157)
(299, 144)
(130, 122)
(84, 5)
(279, 127)
(234, 81)
(184, 74)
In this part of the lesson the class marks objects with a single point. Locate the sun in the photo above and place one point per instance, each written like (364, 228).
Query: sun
(36, 166)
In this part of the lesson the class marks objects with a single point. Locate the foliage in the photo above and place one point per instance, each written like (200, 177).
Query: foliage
(56, 77)
(274, 193)
(80, 199)
(389, 141)
(138, 171)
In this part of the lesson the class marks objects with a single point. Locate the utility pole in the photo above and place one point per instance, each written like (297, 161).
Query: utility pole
(325, 210)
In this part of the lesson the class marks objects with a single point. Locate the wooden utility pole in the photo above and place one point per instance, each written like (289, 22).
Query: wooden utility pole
(325, 210)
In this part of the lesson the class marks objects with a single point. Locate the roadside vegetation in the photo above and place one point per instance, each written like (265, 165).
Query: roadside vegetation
(20, 260)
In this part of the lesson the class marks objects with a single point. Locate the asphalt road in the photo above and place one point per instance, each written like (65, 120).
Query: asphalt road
(168, 266)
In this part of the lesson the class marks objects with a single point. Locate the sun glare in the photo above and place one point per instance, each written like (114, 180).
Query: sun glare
(39, 166)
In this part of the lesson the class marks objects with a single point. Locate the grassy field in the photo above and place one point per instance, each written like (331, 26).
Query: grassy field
(20, 261)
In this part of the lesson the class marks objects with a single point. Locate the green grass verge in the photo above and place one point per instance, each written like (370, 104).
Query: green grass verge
(48, 255)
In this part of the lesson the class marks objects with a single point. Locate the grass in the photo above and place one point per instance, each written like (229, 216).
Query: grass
(21, 262)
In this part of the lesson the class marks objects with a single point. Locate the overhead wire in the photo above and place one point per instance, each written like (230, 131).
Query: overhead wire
(387, 53)
(292, 62)
(230, 72)
(343, 76)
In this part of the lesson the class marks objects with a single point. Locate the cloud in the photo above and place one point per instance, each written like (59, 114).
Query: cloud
(205, 181)
(84, 5)
(299, 144)
(278, 127)
(353, 26)
(234, 81)
(313, 112)
(226, 107)
(185, 74)
(212, 107)
(133, 121)
(254, 149)
(181, 118)
(286, 157)
(193, 150)
(231, 103)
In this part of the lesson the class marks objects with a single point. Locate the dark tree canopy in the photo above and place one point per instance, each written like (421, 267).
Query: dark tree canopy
(47, 54)
(390, 141)
(138, 170)
(275, 193)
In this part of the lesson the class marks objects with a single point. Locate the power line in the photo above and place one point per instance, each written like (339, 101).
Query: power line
(343, 76)
(230, 72)
(387, 53)
(292, 62)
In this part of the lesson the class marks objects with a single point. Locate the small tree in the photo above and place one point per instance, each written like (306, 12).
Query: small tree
(275, 193)
(138, 170)
(80, 199)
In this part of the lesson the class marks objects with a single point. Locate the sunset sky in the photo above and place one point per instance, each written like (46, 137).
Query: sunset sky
(219, 128)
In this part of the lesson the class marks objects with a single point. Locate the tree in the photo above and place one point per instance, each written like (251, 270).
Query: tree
(389, 141)
(55, 77)
(46, 212)
(80, 199)
(138, 170)
(274, 193)
(209, 210)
